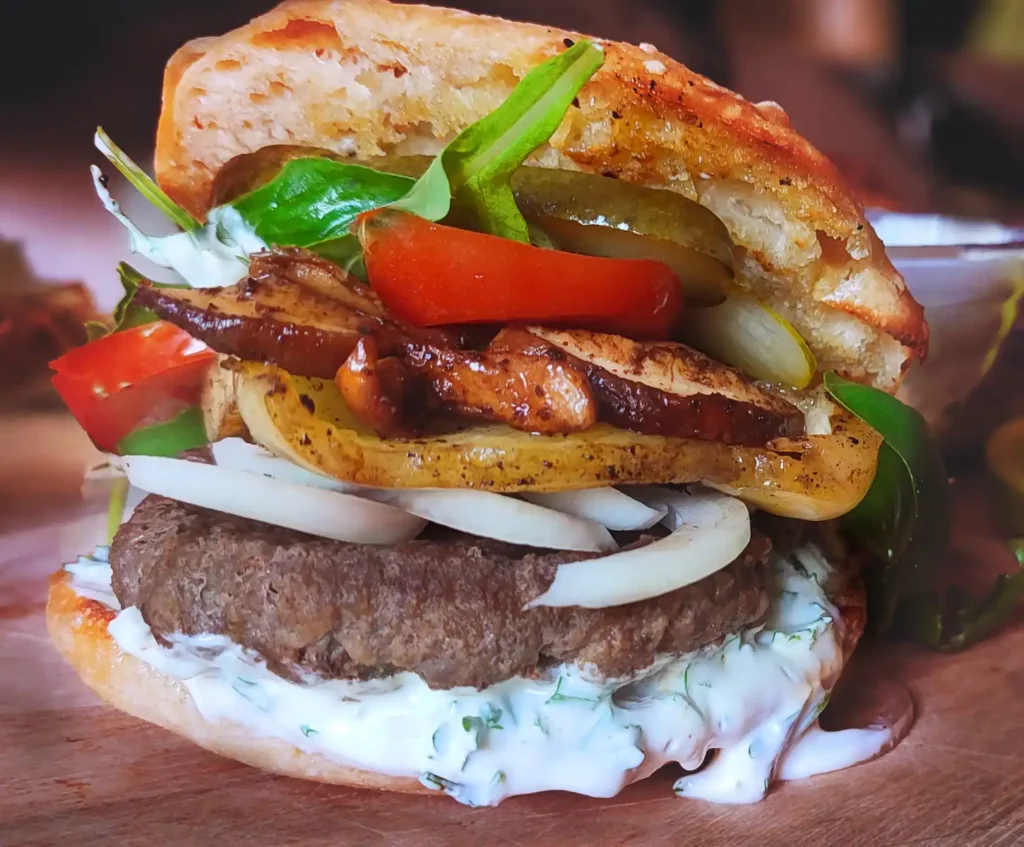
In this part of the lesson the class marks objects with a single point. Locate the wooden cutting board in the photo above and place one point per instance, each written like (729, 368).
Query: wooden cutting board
(73, 771)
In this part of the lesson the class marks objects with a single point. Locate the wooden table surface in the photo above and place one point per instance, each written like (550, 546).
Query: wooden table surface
(73, 771)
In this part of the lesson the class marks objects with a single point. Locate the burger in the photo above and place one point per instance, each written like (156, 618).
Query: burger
(514, 415)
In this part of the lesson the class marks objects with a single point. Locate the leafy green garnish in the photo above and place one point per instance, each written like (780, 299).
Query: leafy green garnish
(143, 183)
(905, 517)
(171, 438)
(95, 330)
(115, 506)
(957, 620)
(312, 202)
(559, 697)
(346, 252)
(1008, 313)
(126, 313)
(474, 170)
(315, 200)
(492, 716)
(308, 731)
(437, 781)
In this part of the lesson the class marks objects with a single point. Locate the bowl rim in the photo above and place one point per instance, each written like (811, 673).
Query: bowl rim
(974, 252)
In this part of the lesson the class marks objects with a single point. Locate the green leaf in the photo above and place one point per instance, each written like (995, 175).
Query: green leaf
(956, 621)
(346, 252)
(1008, 314)
(315, 200)
(312, 202)
(126, 314)
(905, 518)
(172, 438)
(95, 330)
(437, 781)
(143, 183)
(474, 171)
(492, 716)
(431, 196)
(115, 506)
(560, 697)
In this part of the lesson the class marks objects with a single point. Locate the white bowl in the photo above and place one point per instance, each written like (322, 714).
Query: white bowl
(968, 275)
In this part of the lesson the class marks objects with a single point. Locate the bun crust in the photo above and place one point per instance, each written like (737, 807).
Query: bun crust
(367, 78)
(78, 628)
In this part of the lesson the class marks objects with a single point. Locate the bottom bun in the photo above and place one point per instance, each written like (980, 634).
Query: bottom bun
(78, 628)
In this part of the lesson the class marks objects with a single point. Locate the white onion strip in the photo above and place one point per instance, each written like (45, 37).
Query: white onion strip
(710, 530)
(329, 514)
(490, 515)
(239, 455)
(480, 513)
(607, 506)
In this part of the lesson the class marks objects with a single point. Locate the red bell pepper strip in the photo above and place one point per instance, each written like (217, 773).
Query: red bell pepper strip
(429, 274)
(140, 376)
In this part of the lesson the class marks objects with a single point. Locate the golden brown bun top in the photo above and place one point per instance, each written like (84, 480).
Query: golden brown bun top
(368, 77)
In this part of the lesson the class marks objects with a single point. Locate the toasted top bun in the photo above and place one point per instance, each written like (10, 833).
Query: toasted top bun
(368, 78)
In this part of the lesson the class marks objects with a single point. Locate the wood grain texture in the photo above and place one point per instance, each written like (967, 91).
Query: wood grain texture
(74, 771)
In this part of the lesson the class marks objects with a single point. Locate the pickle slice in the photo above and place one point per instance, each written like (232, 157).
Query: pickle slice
(703, 279)
(747, 334)
(617, 219)
(597, 200)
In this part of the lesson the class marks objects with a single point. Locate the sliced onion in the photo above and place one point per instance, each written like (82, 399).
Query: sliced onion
(131, 502)
(239, 455)
(607, 506)
(510, 519)
(747, 334)
(329, 514)
(478, 513)
(709, 531)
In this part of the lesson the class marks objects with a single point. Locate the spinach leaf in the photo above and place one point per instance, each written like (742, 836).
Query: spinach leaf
(115, 506)
(315, 200)
(474, 170)
(170, 438)
(957, 620)
(905, 519)
(1008, 314)
(346, 252)
(126, 313)
(312, 202)
(143, 183)
(96, 329)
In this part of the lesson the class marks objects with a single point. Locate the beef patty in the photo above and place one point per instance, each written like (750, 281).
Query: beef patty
(450, 608)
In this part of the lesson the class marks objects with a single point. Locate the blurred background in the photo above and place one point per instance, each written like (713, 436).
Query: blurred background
(918, 101)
